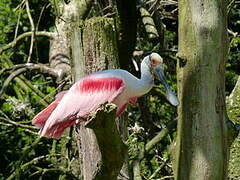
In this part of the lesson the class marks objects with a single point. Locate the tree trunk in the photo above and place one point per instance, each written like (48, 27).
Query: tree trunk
(201, 151)
(127, 30)
(59, 59)
(94, 48)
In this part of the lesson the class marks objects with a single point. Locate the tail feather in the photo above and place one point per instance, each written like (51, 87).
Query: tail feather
(56, 130)
(40, 119)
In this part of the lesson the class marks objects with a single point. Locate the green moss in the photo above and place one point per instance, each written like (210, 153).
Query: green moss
(233, 110)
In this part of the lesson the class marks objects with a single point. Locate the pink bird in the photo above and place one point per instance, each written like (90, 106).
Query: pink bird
(85, 96)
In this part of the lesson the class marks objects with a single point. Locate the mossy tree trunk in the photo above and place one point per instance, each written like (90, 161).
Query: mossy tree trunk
(91, 45)
(201, 151)
(94, 48)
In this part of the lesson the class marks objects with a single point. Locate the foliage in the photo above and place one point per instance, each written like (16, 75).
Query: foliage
(23, 154)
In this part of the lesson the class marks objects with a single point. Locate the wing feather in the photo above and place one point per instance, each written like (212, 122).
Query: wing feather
(83, 97)
(40, 119)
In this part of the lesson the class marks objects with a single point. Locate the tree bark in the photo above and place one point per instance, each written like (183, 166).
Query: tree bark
(60, 57)
(201, 151)
(94, 48)
(127, 30)
(112, 149)
(59, 52)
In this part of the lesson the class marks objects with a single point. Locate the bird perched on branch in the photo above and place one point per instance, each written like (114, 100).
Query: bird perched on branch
(115, 86)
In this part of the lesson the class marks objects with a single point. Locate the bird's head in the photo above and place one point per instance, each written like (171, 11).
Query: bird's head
(154, 63)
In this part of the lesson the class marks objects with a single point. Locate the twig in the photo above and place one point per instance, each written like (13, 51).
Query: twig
(232, 33)
(11, 125)
(165, 177)
(149, 146)
(30, 66)
(25, 67)
(230, 5)
(17, 124)
(27, 85)
(9, 122)
(18, 21)
(41, 13)
(24, 154)
(157, 170)
(32, 29)
(20, 37)
(160, 135)
(19, 6)
(36, 29)
(41, 170)
(136, 165)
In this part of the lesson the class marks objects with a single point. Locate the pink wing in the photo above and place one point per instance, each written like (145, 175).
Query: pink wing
(40, 119)
(84, 97)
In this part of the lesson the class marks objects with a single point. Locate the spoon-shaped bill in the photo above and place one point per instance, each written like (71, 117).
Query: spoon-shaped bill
(171, 97)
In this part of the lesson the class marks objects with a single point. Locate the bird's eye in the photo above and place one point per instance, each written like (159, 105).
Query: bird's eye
(155, 59)
(155, 62)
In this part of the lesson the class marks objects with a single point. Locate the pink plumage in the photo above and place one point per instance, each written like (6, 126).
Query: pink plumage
(40, 119)
(84, 97)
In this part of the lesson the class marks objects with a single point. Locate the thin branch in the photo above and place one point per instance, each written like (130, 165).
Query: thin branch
(234, 34)
(171, 125)
(11, 125)
(21, 5)
(157, 170)
(18, 22)
(9, 122)
(230, 6)
(40, 170)
(40, 16)
(24, 35)
(26, 67)
(36, 29)
(32, 29)
(60, 170)
(136, 163)
(17, 124)
(26, 85)
(165, 177)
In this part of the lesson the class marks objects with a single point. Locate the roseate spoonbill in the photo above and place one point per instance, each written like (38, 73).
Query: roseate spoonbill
(114, 86)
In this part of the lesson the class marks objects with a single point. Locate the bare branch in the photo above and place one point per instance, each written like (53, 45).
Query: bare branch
(136, 163)
(171, 125)
(32, 29)
(157, 170)
(41, 170)
(234, 34)
(24, 35)
(18, 22)
(8, 121)
(42, 68)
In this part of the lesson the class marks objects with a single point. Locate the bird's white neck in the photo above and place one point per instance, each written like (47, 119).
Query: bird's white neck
(146, 81)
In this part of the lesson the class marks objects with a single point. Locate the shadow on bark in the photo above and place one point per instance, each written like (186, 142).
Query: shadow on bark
(111, 147)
